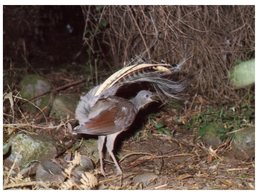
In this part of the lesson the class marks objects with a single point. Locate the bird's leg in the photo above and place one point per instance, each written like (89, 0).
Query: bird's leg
(110, 146)
(101, 141)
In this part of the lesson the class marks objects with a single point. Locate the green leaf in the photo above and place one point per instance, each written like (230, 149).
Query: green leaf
(159, 125)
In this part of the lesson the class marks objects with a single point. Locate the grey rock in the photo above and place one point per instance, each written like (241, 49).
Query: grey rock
(28, 148)
(63, 106)
(34, 85)
(145, 178)
(243, 144)
(86, 164)
(49, 171)
(6, 148)
(212, 134)
(89, 148)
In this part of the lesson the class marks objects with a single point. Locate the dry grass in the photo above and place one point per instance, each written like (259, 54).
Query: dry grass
(211, 38)
(215, 37)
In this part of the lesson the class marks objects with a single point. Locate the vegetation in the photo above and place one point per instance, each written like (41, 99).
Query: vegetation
(77, 47)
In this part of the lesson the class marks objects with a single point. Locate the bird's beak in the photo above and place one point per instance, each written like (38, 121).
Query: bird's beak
(155, 98)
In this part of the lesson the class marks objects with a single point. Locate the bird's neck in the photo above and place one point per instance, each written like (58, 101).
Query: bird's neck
(137, 104)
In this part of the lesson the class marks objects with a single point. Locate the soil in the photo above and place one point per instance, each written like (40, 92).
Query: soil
(179, 162)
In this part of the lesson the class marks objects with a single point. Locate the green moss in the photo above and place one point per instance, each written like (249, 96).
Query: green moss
(26, 149)
(32, 86)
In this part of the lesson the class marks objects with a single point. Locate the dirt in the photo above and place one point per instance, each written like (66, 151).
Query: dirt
(176, 160)
(149, 159)
(179, 163)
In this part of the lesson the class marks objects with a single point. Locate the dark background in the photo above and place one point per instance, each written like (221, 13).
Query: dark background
(80, 39)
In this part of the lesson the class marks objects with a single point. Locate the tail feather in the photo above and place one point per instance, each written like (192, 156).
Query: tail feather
(135, 73)
(167, 87)
(153, 74)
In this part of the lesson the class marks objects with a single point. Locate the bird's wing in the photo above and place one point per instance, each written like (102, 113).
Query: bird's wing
(108, 116)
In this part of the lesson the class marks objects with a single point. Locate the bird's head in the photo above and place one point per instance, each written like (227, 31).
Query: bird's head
(143, 98)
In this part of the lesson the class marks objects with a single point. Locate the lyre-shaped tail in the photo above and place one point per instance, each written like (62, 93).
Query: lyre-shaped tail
(154, 74)
(150, 73)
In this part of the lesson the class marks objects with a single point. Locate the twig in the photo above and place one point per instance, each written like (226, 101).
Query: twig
(25, 100)
(141, 34)
(31, 183)
(161, 186)
(11, 170)
(237, 130)
(59, 89)
(152, 156)
(238, 169)
(33, 126)
(134, 153)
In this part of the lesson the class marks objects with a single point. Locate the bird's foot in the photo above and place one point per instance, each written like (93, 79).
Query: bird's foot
(103, 172)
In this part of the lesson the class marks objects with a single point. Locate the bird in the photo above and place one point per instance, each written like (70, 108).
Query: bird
(103, 102)
(153, 74)
(111, 116)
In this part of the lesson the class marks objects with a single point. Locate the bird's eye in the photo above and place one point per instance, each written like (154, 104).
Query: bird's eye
(146, 96)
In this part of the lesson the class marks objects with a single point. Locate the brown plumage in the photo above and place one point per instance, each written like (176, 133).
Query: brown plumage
(109, 117)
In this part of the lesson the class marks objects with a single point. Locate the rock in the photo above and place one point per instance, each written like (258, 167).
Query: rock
(28, 148)
(63, 106)
(86, 164)
(243, 144)
(49, 171)
(145, 178)
(6, 148)
(32, 86)
(89, 148)
(243, 74)
(29, 170)
(212, 134)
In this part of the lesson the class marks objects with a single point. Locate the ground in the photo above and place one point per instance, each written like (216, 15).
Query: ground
(179, 162)
(163, 152)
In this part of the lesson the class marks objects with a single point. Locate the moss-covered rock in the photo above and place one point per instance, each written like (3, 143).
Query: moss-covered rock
(212, 134)
(28, 148)
(63, 106)
(243, 74)
(90, 149)
(243, 144)
(32, 86)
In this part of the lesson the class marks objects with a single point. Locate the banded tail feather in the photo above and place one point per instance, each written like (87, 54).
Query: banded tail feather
(134, 73)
